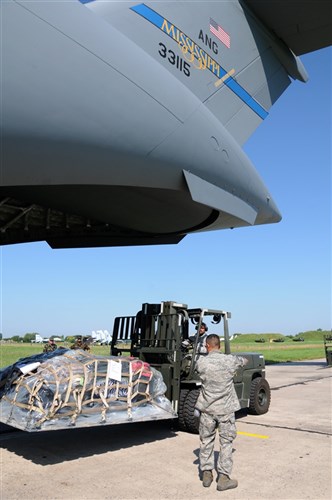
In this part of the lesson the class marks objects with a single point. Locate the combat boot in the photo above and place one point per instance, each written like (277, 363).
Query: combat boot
(226, 483)
(207, 478)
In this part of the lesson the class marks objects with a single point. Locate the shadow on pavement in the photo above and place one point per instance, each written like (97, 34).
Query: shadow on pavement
(52, 447)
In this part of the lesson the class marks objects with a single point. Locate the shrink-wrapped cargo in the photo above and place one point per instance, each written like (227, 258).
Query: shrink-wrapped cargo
(74, 388)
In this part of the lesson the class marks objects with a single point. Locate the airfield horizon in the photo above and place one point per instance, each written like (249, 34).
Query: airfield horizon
(273, 352)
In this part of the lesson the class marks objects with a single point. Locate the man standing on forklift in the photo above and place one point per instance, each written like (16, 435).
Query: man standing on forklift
(201, 343)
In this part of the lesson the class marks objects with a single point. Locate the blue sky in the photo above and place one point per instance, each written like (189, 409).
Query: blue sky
(273, 278)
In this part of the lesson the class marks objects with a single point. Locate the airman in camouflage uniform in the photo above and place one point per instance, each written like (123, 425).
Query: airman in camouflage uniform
(50, 346)
(81, 343)
(217, 404)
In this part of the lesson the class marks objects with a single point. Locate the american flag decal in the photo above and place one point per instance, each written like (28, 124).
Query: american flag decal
(220, 33)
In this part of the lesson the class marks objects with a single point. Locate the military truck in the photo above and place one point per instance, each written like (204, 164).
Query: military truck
(328, 349)
(157, 334)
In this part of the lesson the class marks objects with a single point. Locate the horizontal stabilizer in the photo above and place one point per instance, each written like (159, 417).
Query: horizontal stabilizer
(303, 26)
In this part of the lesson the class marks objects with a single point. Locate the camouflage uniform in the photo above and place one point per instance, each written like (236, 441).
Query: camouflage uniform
(86, 345)
(217, 403)
(50, 347)
(80, 344)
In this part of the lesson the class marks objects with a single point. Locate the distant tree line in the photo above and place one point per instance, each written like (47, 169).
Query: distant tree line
(28, 337)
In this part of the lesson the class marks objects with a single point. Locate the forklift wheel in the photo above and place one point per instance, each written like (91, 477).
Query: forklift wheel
(260, 396)
(191, 422)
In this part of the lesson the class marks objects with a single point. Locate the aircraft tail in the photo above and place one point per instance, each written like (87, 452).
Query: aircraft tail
(220, 50)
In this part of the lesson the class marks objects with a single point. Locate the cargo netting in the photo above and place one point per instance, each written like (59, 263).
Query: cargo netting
(69, 388)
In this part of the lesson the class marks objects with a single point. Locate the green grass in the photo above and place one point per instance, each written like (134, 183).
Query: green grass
(273, 352)
(277, 353)
(309, 336)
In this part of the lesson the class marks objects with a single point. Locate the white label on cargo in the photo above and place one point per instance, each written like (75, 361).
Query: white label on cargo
(114, 370)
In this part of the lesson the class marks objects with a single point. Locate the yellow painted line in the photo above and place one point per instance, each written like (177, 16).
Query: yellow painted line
(221, 80)
(260, 436)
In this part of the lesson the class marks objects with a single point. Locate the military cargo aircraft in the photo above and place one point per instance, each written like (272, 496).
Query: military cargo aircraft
(122, 123)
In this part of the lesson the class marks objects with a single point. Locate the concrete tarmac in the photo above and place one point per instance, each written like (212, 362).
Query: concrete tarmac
(285, 454)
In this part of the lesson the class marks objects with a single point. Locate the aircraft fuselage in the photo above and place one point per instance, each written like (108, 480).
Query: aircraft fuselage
(95, 128)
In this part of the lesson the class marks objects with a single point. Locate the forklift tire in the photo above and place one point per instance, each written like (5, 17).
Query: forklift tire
(260, 396)
(191, 422)
(181, 421)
